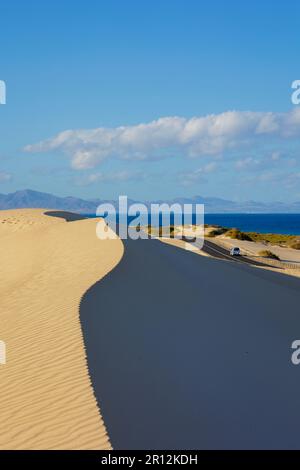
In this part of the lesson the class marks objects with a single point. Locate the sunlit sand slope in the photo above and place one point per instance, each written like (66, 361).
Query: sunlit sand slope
(47, 264)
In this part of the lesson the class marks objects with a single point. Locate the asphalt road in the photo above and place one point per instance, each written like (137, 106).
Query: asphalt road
(190, 352)
(218, 251)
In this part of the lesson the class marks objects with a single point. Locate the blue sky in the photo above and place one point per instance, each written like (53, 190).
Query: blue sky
(221, 72)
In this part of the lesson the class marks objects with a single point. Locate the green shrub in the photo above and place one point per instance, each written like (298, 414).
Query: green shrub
(238, 235)
(295, 244)
(290, 241)
(172, 231)
(219, 231)
(161, 231)
(272, 238)
(268, 254)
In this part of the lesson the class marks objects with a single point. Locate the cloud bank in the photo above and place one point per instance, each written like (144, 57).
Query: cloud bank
(171, 136)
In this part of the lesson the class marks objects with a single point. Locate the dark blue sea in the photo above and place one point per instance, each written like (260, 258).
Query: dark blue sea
(263, 223)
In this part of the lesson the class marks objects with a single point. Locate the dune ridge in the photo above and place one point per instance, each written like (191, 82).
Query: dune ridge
(47, 401)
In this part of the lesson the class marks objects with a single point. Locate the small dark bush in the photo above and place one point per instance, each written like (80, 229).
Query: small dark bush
(238, 235)
(217, 230)
(268, 254)
(295, 244)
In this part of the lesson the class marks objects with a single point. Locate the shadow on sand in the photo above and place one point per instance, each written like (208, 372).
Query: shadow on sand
(68, 216)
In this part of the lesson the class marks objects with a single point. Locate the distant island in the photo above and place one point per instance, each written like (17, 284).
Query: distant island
(28, 198)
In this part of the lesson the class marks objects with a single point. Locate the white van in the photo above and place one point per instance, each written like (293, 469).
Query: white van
(235, 251)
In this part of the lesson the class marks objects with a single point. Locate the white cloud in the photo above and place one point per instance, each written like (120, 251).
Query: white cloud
(291, 180)
(198, 175)
(207, 135)
(113, 177)
(275, 160)
(5, 177)
(248, 163)
(286, 179)
(210, 167)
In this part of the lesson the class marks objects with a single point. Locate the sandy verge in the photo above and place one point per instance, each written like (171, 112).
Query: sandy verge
(288, 255)
(183, 245)
(47, 264)
(188, 247)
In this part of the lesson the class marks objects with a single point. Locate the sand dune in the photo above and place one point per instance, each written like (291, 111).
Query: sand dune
(47, 264)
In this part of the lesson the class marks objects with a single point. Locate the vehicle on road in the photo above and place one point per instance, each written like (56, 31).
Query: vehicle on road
(235, 251)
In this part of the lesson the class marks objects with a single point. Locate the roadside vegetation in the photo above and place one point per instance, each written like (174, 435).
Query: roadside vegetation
(273, 238)
(295, 244)
(286, 241)
(217, 231)
(268, 254)
(238, 235)
(161, 231)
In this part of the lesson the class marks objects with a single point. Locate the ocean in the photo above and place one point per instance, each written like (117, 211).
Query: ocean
(264, 223)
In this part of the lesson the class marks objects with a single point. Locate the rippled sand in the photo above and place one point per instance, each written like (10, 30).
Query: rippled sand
(47, 264)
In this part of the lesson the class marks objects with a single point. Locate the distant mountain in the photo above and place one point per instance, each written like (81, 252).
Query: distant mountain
(36, 199)
(217, 205)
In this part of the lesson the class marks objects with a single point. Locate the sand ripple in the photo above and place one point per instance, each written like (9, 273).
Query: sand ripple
(47, 264)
